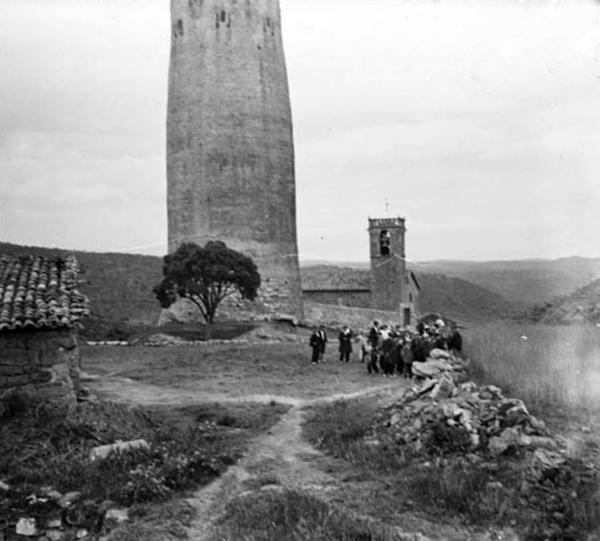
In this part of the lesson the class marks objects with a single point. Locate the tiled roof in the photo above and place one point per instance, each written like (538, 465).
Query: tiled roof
(40, 292)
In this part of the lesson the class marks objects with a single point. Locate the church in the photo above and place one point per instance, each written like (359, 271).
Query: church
(391, 287)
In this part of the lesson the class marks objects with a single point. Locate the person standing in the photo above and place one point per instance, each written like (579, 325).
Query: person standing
(407, 358)
(455, 341)
(374, 335)
(323, 341)
(345, 340)
(315, 344)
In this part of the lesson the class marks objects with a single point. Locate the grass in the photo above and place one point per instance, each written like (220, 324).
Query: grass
(289, 515)
(547, 366)
(453, 488)
(165, 521)
(217, 370)
(189, 447)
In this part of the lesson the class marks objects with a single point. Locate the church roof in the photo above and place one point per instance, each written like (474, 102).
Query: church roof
(40, 292)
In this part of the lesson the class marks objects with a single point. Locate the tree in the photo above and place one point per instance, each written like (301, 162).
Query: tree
(206, 275)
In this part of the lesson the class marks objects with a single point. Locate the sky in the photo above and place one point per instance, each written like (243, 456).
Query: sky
(477, 120)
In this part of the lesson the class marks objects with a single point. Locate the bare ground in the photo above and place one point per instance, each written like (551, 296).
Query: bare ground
(279, 458)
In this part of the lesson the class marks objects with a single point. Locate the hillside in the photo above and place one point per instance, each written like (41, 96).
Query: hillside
(454, 297)
(526, 282)
(119, 285)
(583, 305)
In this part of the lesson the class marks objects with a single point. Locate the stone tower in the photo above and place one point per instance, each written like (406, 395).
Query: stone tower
(230, 153)
(393, 287)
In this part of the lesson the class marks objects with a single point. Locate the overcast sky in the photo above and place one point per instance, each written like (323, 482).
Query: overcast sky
(477, 120)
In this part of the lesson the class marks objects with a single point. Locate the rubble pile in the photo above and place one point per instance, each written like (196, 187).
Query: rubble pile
(444, 413)
(469, 435)
(54, 516)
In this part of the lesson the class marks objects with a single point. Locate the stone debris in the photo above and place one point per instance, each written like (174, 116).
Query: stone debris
(114, 517)
(26, 527)
(4, 487)
(103, 451)
(69, 499)
(478, 418)
(55, 534)
(161, 340)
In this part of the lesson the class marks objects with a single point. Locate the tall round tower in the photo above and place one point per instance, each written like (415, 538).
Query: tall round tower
(230, 153)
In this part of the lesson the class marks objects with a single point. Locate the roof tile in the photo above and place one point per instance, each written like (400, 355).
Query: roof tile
(40, 292)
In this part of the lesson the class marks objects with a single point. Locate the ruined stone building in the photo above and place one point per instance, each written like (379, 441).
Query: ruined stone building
(391, 286)
(230, 152)
(40, 309)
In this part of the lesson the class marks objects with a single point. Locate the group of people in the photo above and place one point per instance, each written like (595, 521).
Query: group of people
(318, 343)
(390, 349)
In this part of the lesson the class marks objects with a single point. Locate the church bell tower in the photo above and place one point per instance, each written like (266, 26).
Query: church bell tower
(393, 288)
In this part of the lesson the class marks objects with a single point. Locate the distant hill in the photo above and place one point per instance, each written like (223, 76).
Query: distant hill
(583, 305)
(454, 297)
(119, 285)
(525, 282)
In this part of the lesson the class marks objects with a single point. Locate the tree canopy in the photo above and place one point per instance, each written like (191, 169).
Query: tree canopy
(206, 275)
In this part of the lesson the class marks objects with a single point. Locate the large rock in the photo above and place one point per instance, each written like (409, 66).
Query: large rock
(431, 368)
(103, 451)
(444, 389)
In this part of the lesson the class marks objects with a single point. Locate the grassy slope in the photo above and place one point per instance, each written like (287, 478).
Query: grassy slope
(119, 285)
(233, 370)
(525, 281)
(582, 304)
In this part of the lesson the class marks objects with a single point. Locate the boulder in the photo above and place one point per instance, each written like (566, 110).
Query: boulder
(26, 527)
(431, 368)
(55, 534)
(444, 389)
(69, 499)
(439, 354)
(509, 437)
(115, 517)
(103, 451)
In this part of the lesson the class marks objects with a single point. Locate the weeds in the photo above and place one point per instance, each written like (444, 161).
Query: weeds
(443, 478)
(547, 366)
(288, 515)
(188, 447)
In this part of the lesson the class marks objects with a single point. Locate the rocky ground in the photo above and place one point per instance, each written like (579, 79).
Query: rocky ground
(442, 422)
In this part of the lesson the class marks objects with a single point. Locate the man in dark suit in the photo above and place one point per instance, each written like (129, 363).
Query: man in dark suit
(323, 339)
(345, 340)
(315, 344)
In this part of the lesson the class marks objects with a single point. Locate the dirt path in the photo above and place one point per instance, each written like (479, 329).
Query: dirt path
(281, 457)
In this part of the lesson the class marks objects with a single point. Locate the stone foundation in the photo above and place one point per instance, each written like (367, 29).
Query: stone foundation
(358, 319)
(271, 303)
(44, 364)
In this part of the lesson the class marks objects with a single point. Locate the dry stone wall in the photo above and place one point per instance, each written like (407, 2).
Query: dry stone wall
(42, 364)
(356, 318)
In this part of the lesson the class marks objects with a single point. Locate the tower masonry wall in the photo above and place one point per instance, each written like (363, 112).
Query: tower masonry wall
(389, 287)
(230, 154)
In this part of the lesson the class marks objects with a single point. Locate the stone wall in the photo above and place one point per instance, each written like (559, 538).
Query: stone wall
(358, 319)
(360, 298)
(271, 303)
(44, 364)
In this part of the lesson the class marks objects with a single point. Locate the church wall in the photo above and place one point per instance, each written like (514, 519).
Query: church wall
(343, 297)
